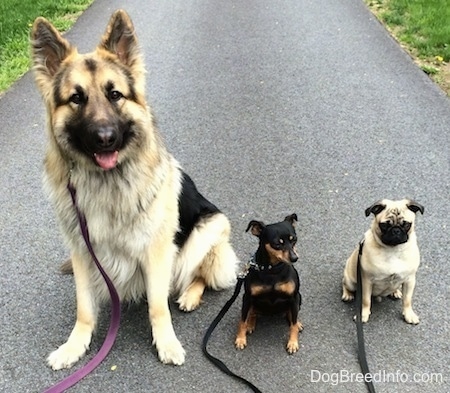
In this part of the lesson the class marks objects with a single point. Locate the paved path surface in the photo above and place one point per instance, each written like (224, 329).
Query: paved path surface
(273, 107)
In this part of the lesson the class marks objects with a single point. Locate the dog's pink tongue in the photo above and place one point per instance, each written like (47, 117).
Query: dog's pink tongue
(106, 161)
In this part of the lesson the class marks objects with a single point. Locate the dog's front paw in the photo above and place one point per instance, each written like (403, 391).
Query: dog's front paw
(411, 317)
(292, 346)
(240, 342)
(364, 317)
(171, 352)
(365, 314)
(65, 356)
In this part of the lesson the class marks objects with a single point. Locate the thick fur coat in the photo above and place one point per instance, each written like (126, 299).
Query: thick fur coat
(153, 232)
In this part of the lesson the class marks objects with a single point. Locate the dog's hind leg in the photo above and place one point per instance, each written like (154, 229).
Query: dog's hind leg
(206, 260)
(219, 266)
(87, 310)
(192, 296)
(347, 295)
(348, 288)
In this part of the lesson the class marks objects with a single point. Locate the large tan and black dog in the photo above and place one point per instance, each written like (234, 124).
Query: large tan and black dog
(390, 257)
(153, 232)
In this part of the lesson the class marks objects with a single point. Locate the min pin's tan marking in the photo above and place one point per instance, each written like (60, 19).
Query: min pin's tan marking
(276, 256)
(285, 287)
(257, 290)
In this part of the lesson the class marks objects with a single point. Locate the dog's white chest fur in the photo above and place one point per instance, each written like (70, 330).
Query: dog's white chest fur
(389, 271)
(108, 211)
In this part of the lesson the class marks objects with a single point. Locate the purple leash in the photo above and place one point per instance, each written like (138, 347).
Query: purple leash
(115, 312)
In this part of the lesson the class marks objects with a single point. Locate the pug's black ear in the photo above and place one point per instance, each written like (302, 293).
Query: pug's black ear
(292, 219)
(415, 207)
(255, 227)
(375, 209)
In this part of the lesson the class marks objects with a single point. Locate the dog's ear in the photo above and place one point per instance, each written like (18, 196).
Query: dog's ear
(49, 49)
(376, 208)
(415, 207)
(255, 227)
(120, 39)
(292, 219)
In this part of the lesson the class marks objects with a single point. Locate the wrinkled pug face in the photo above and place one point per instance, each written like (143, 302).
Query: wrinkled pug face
(394, 220)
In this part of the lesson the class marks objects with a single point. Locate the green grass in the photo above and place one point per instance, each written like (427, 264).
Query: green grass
(423, 28)
(423, 25)
(16, 18)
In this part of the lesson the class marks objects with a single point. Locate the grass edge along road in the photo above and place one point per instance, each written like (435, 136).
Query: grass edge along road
(16, 19)
(420, 27)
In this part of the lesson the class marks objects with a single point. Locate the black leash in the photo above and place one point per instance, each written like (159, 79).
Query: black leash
(218, 363)
(359, 326)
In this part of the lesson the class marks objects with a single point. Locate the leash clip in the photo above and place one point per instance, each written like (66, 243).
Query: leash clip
(251, 264)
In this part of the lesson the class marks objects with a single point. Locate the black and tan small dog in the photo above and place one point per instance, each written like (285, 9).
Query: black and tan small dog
(272, 285)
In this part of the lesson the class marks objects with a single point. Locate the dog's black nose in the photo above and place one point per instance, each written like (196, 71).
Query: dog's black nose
(106, 136)
(293, 256)
(396, 231)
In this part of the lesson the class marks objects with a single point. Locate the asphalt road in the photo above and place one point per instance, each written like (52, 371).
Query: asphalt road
(273, 108)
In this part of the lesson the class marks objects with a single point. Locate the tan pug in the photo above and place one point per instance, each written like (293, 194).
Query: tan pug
(390, 257)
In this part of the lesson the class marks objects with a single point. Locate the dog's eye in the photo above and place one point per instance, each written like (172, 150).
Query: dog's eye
(76, 98)
(115, 95)
(406, 225)
(384, 226)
